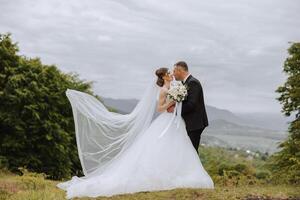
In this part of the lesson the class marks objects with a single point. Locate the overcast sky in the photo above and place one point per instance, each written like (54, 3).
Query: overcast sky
(236, 48)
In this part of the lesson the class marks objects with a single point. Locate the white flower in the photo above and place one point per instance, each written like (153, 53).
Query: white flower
(178, 92)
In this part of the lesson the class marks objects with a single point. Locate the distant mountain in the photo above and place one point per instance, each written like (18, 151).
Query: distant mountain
(214, 113)
(266, 120)
(256, 132)
(262, 120)
(229, 134)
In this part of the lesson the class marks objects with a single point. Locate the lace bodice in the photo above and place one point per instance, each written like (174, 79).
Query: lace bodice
(167, 97)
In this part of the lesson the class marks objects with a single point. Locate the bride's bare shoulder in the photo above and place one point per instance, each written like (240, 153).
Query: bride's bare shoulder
(163, 90)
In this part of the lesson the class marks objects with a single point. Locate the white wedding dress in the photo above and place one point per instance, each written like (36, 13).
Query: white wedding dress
(148, 161)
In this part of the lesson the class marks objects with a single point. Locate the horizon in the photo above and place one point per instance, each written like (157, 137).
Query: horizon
(236, 49)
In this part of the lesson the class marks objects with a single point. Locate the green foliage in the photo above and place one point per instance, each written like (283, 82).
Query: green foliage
(285, 164)
(234, 167)
(290, 91)
(36, 121)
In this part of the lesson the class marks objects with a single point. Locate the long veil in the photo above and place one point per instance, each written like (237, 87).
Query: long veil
(102, 135)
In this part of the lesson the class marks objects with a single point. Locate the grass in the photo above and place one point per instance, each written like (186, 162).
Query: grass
(33, 186)
(236, 174)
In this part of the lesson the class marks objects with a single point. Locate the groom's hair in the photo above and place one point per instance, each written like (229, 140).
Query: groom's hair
(183, 65)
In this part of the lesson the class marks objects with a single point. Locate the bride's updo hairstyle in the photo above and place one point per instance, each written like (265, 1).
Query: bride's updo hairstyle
(160, 73)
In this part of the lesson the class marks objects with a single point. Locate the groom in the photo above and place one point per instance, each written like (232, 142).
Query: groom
(193, 108)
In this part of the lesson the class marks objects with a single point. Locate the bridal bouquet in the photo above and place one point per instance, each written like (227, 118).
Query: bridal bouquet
(178, 92)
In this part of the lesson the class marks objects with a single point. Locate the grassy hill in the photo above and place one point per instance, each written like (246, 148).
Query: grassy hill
(237, 175)
(35, 187)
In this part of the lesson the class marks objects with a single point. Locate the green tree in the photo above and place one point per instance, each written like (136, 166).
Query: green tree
(36, 121)
(285, 164)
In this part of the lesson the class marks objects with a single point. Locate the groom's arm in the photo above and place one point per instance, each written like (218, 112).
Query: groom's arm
(194, 91)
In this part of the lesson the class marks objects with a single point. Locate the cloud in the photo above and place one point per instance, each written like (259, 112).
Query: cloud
(235, 48)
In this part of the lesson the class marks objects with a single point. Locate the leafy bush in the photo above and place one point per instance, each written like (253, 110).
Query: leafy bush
(232, 167)
(36, 121)
(285, 164)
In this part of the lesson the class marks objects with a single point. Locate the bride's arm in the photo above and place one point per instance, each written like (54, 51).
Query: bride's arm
(162, 104)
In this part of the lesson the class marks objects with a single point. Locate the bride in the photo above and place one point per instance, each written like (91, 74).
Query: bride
(131, 153)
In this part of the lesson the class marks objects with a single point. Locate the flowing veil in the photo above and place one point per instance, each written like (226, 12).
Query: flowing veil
(102, 135)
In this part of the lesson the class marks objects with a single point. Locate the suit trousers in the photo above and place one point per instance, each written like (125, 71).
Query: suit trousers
(195, 136)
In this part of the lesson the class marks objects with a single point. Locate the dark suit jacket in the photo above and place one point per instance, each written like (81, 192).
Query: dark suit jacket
(193, 108)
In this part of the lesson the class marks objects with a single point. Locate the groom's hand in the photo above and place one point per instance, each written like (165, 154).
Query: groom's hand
(171, 109)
